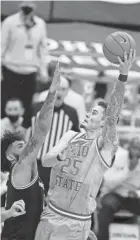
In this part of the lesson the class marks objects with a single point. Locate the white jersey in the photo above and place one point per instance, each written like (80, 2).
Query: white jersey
(75, 182)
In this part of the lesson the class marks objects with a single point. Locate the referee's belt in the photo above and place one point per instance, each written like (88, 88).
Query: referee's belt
(69, 214)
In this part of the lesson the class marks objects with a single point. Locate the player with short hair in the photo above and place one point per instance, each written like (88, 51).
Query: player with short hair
(78, 165)
(20, 158)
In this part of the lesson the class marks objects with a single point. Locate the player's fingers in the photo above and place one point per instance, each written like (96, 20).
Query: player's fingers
(19, 206)
(134, 55)
(125, 56)
(131, 55)
(19, 213)
(21, 202)
(23, 212)
(120, 61)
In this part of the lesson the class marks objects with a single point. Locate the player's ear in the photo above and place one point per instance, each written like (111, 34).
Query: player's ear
(102, 123)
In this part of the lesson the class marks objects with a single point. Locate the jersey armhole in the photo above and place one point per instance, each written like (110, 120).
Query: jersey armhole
(101, 157)
(24, 186)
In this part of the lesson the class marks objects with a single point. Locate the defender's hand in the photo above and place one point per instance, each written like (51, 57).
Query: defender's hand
(128, 62)
(56, 79)
(17, 209)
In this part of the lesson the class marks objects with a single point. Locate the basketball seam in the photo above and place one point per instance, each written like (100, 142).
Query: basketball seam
(117, 42)
(110, 51)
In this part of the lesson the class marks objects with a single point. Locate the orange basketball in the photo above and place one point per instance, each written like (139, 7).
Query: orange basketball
(115, 45)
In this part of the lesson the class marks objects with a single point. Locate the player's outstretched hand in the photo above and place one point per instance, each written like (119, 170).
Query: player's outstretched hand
(17, 209)
(56, 79)
(128, 62)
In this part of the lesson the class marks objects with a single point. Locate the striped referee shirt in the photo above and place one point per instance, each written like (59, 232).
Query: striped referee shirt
(64, 118)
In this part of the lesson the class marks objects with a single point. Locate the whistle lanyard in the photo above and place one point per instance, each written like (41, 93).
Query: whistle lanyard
(29, 46)
(29, 35)
(29, 43)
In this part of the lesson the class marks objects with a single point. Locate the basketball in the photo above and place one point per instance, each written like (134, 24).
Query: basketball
(115, 45)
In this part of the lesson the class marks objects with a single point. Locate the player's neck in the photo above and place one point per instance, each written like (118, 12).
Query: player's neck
(93, 134)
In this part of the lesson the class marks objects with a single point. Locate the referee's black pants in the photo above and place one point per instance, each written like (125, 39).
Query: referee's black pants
(18, 86)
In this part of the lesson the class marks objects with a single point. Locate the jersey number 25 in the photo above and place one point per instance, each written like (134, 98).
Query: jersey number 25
(68, 163)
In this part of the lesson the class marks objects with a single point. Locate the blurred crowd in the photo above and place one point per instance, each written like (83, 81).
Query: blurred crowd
(26, 78)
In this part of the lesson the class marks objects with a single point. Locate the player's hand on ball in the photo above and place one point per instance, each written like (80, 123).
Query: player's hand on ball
(56, 79)
(17, 209)
(128, 62)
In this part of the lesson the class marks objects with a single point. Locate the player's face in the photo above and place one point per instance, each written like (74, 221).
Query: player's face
(94, 120)
(17, 147)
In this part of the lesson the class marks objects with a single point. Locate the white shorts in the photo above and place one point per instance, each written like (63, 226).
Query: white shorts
(56, 227)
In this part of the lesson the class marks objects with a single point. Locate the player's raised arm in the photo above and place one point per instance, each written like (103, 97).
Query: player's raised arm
(56, 153)
(43, 122)
(109, 139)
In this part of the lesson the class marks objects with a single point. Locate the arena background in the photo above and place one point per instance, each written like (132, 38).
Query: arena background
(76, 33)
(75, 37)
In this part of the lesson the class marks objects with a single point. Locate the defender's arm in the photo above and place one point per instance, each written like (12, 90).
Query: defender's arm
(43, 123)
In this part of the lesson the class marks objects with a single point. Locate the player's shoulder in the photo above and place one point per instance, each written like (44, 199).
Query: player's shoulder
(69, 135)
